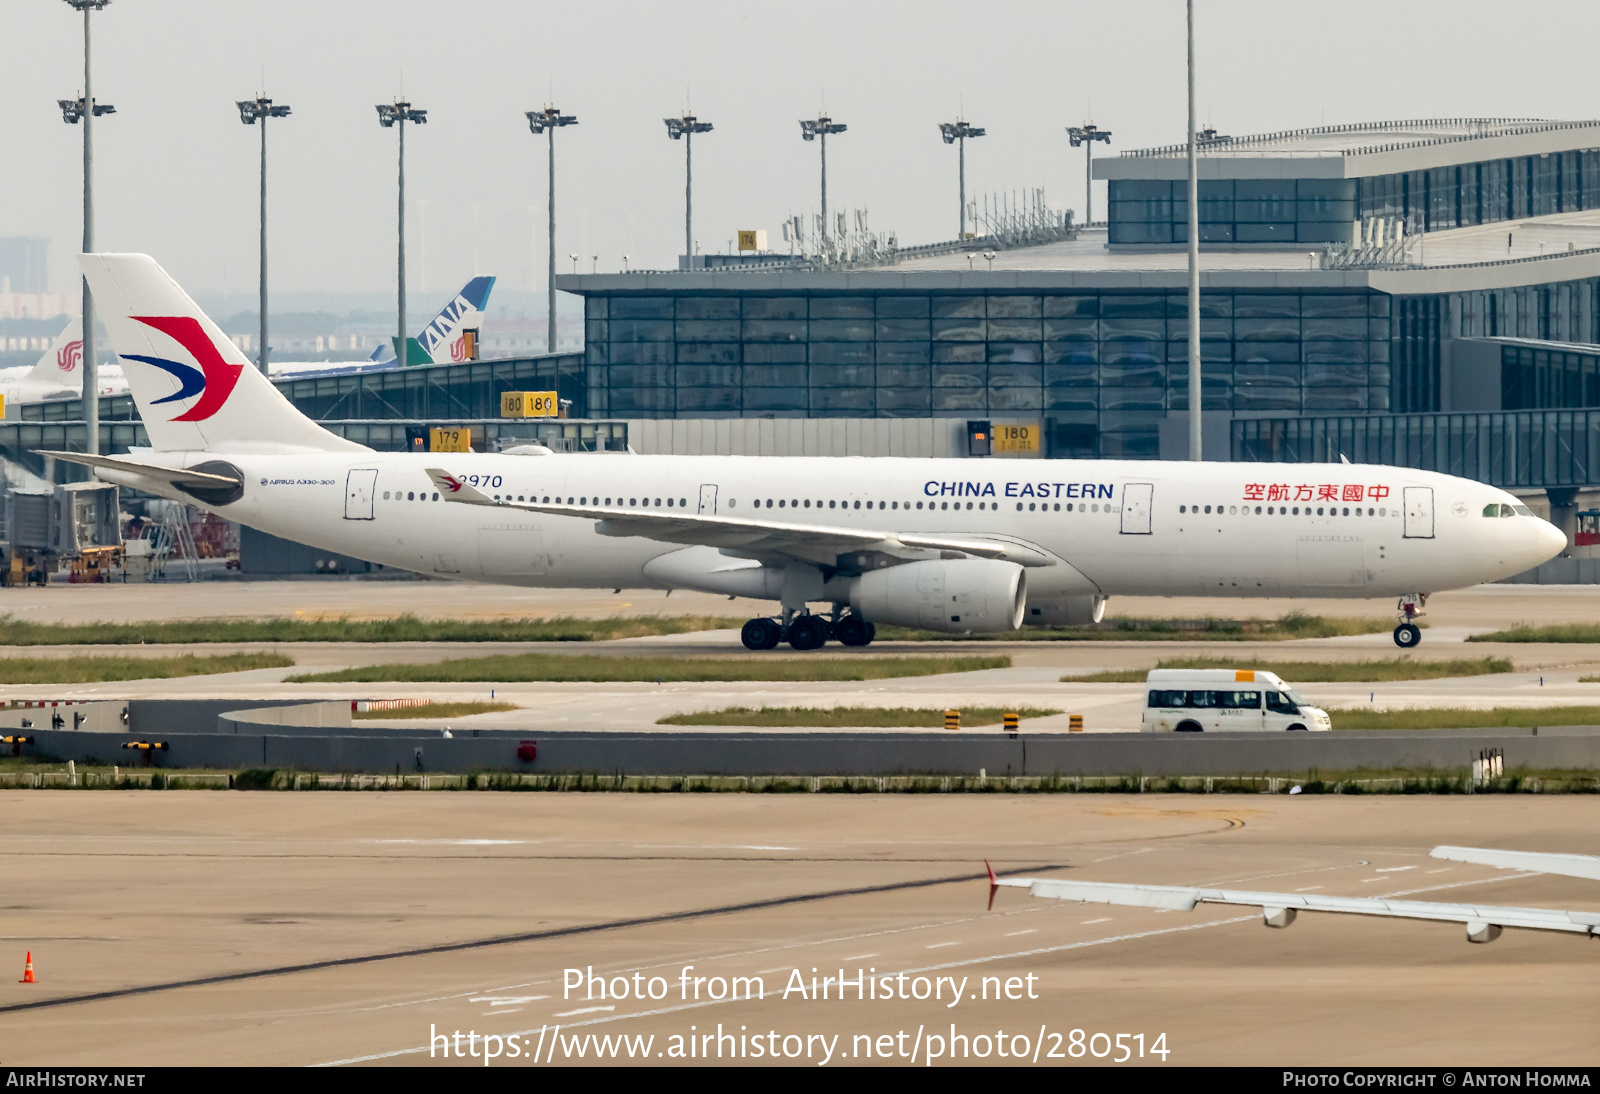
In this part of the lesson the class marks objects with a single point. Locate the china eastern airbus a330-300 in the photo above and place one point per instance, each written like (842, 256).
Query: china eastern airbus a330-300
(840, 544)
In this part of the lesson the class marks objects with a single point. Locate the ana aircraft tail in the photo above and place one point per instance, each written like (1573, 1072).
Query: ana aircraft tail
(195, 391)
(61, 362)
(440, 341)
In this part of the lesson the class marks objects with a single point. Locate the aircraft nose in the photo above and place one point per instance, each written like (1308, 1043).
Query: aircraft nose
(1551, 541)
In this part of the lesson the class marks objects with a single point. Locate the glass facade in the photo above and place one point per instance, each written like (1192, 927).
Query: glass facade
(1103, 367)
(1510, 449)
(1532, 378)
(1266, 211)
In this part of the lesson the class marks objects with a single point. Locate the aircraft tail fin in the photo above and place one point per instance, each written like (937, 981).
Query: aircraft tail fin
(440, 340)
(61, 362)
(415, 354)
(194, 389)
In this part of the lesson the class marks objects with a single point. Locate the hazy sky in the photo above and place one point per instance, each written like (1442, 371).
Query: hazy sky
(177, 172)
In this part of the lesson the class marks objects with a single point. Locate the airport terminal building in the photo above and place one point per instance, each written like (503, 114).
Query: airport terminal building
(1381, 269)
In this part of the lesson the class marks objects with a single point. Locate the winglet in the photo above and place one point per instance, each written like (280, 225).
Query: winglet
(452, 488)
(994, 883)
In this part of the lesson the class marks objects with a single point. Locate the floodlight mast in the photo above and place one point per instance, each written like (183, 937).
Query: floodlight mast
(1086, 134)
(547, 121)
(395, 115)
(810, 130)
(87, 110)
(956, 133)
(686, 127)
(1196, 449)
(251, 111)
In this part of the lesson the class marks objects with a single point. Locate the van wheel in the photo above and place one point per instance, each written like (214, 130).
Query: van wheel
(1189, 727)
(1298, 726)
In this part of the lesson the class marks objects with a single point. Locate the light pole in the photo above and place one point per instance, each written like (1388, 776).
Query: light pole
(1195, 402)
(250, 111)
(810, 131)
(686, 127)
(956, 133)
(72, 112)
(547, 121)
(396, 115)
(1086, 134)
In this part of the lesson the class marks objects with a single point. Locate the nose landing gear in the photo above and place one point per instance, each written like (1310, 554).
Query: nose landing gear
(1407, 635)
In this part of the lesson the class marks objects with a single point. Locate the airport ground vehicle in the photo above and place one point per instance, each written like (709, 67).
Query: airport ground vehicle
(1225, 700)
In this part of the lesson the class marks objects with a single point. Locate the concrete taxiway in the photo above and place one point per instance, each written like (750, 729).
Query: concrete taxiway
(278, 928)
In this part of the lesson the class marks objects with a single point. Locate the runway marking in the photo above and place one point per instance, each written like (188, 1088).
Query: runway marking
(857, 957)
(1308, 888)
(505, 1000)
(419, 1049)
(1092, 922)
(583, 1010)
(1030, 930)
(511, 939)
(1394, 869)
(939, 945)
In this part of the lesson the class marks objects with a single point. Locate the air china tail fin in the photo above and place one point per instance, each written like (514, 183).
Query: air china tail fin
(60, 363)
(195, 391)
(440, 340)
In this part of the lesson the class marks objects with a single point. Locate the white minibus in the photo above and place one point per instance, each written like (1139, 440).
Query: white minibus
(1227, 700)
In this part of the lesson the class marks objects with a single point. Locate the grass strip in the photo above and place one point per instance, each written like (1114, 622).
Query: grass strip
(527, 667)
(433, 710)
(400, 628)
(1557, 632)
(1138, 629)
(92, 670)
(827, 717)
(1455, 718)
(1350, 672)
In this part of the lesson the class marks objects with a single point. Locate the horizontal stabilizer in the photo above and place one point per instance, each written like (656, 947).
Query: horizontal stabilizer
(173, 476)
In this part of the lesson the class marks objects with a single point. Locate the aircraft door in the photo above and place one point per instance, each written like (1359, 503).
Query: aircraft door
(708, 500)
(358, 490)
(1419, 512)
(1136, 499)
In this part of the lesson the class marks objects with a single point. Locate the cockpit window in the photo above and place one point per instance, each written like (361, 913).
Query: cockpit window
(1522, 510)
(1492, 509)
(1508, 510)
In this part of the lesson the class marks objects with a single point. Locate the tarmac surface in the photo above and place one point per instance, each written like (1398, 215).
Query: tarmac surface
(419, 914)
(1548, 675)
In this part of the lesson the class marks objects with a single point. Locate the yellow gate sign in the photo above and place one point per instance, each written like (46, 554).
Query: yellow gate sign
(1016, 440)
(529, 404)
(450, 439)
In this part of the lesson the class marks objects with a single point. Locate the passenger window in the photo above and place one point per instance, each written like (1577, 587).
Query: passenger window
(1242, 700)
(1280, 704)
(1205, 699)
(1169, 698)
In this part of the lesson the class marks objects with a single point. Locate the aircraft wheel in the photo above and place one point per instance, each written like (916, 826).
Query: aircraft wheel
(1189, 727)
(760, 634)
(807, 632)
(853, 631)
(1407, 635)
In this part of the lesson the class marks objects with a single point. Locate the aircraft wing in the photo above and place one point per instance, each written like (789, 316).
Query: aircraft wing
(1483, 921)
(821, 544)
(1584, 866)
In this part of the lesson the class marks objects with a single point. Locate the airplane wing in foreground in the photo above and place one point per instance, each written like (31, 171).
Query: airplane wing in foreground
(1484, 922)
(820, 544)
(1584, 866)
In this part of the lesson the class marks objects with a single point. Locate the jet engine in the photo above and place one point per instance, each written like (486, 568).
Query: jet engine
(957, 596)
(1066, 611)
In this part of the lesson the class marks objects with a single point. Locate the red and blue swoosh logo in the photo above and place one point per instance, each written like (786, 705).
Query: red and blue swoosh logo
(213, 381)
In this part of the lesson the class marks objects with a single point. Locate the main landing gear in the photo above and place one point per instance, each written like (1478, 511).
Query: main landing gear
(804, 631)
(1407, 635)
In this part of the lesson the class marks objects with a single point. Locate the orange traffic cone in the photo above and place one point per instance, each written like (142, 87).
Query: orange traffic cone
(27, 970)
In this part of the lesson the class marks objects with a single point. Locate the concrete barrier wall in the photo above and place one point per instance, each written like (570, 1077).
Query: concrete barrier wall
(871, 754)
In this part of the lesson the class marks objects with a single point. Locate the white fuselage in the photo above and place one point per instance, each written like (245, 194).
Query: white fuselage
(1112, 527)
